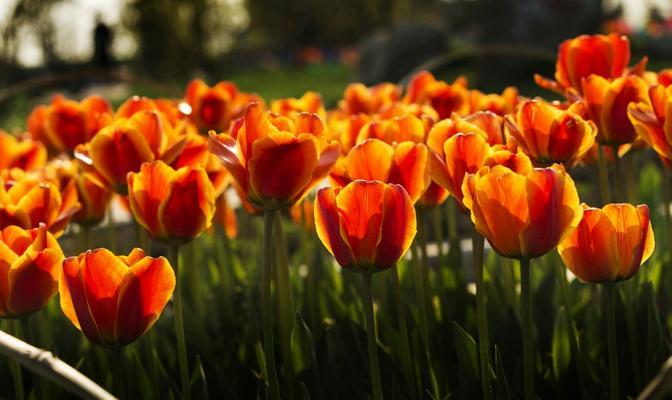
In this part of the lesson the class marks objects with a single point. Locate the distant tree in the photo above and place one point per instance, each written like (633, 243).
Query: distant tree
(34, 15)
(176, 37)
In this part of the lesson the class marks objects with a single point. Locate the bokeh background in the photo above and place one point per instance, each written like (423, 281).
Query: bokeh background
(283, 48)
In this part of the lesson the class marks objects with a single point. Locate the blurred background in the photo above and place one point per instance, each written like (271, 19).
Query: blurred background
(281, 48)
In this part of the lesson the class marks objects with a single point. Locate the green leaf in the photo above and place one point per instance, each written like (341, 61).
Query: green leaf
(199, 384)
(467, 360)
(560, 346)
(502, 384)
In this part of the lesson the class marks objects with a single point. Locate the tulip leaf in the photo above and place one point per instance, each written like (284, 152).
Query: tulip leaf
(560, 346)
(303, 346)
(501, 383)
(225, 385)
(467, 360)
(199, 383)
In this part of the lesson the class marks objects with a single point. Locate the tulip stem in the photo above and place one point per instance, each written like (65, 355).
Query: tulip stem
(618, 186)
(407, 360)
(605, 194)
(284, 300)
(667, 196)
(477, 242)
(610, 304)
(371, 335)
(574, 339)
(119, 375)
(267, 305)
(85, 237)
(526, 315)
(179, 325)
(29, 337)
(16, 369)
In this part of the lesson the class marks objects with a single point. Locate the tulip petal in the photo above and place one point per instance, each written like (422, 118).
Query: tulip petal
(327, 226)
(398, 228)
(189, 207)
(144, 292)
(360, 206)
(147, 190)
(370, 160)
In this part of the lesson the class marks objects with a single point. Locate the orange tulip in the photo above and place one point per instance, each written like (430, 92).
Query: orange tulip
(652, 120)
(398, 129)
(95, 197)
(303, 215)
(550, 135)
(607, 104)
(434, 196)
(459, 155)
(606, 56)
(30, 201)
(346, 130)
(123, 146)
(357, 98)
(367, 225)
(609, 244)
(29, 264)
(24, 153)
(275, 161)
(112, 299)
(68, 123)
(173, 206)
(225, 215)
(213, 108)
(404, 164)
(523, 215)
(35, 124)
(498, 104)
(310, 102)
(445, 98)
(664, 77)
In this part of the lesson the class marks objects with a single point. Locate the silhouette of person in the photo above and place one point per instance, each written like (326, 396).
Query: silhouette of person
(102, 40)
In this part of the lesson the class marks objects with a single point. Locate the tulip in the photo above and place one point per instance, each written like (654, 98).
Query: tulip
(357, 98)
(434, 196)
(652, 119)
(29, 201)
(30, 262)
(398, 129)
(275, 161)
(550, 135)
(174, 206)
(310, 102)
(459, 155)
(367, 226)
(498, 104)
(404, 164)
(113, 299)
(35, 124)
(609, 244)
(123, 146)
(346, 130)
(303, 215)
(24, 153)
(606, 56)
(95, 197)
(523, 215)
(607, 103)
(213, 108)
(225, 216)
(68, 123)
(445, 98)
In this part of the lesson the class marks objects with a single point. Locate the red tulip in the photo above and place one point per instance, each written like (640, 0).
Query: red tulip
(112, 299)
(367, 225)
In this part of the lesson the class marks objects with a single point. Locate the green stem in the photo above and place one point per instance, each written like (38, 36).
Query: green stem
(30, 338)
(632, 335)
(225, 261)
(631, 171)
(119, 374)
(150, 345)
(528, 340)
(609, 305)
(284, 300)
(179, 325)
(438, 235)
(618, 178)
(371, 335)
(16, 369)
(407, 360)
(267, 305)
(605, 194)
(111, 233)
(477, 242)
(574, 339)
